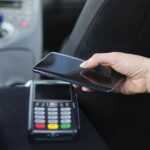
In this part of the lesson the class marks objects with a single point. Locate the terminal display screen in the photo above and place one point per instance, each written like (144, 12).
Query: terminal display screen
(57, 92)
(10, 4)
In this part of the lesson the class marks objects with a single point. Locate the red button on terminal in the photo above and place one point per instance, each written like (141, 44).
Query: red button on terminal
(40, 126)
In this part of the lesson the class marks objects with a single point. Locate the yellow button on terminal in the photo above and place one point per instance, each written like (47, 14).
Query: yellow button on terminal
(53, 126)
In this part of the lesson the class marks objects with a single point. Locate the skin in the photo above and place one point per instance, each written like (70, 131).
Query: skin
(135, 68)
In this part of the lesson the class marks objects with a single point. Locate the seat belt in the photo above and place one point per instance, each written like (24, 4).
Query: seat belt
(86, 18)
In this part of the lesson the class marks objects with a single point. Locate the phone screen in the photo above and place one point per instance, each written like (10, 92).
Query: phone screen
(67, 68)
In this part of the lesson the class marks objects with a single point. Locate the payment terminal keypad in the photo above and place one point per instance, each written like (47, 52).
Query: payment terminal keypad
(52, 116)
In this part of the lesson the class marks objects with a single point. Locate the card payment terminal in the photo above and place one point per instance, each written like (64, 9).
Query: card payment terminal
(53, 111)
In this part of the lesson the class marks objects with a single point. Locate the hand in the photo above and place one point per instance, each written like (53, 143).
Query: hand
(136, 68)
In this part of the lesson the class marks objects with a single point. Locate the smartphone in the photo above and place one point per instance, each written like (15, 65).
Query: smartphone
(67, 68)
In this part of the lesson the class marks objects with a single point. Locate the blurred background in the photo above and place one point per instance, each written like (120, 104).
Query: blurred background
(29, 29)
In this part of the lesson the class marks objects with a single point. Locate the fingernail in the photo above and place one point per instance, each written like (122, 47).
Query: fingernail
(84, 89)
(83, 64)
(75, 86)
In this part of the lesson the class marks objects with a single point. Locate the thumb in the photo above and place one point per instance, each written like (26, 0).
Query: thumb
(107, 59)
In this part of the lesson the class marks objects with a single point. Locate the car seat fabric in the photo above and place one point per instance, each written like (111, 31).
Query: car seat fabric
(111, 25)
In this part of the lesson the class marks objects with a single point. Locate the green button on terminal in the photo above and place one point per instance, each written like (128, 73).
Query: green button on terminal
(65, 126)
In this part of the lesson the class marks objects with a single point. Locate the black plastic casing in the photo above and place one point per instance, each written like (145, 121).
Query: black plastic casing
(60, 135)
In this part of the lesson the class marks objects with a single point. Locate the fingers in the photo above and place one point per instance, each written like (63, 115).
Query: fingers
(86, 89)
(83, 88)
(75, 86)
(100, 59)
(134, 67)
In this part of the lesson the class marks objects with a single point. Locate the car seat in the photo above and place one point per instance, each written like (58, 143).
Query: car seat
(106, 26)
(111, 25)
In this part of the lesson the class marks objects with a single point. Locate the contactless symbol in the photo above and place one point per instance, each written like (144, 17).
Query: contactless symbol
(51, 104)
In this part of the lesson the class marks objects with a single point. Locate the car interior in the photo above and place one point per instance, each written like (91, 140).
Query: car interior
(31, 29)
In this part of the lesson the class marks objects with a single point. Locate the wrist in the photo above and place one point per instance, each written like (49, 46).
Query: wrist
(148, 77)
(148, 84)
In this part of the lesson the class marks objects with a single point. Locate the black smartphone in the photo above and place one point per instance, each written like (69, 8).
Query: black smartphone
(67, 68)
